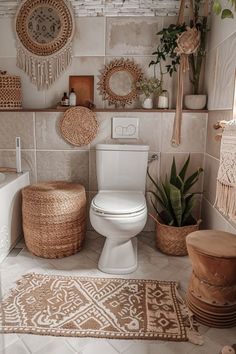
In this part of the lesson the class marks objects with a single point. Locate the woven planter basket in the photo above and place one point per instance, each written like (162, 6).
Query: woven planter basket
(54, 218)
(171, 239)
(10, 92)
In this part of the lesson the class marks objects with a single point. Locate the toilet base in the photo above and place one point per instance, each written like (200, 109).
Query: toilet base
(119, 257)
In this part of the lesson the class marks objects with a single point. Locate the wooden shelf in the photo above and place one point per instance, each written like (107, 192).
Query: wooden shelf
(106, 110)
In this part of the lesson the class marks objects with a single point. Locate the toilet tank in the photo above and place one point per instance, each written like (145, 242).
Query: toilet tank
(121, 167)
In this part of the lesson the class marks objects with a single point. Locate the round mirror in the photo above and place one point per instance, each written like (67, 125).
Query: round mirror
(117, 82)
(44, 24)
(121, 83)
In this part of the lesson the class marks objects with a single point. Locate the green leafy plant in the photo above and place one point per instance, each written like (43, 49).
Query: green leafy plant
(174, 197)
(166, 49)
(226, 12)
(149, 86)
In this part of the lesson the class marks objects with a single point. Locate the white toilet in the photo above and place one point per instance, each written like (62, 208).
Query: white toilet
(119, 210)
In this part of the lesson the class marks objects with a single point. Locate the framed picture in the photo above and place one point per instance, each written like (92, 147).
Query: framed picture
(84, 89)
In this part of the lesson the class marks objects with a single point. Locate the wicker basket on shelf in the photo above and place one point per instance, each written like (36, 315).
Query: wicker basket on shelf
(54, 218)
(10, 91)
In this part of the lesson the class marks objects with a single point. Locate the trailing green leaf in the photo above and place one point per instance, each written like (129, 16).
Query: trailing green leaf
(227, 13)
(217, 8)
(224, 13)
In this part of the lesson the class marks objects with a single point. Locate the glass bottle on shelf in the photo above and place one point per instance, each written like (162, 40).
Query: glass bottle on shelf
(163, 100)
(72, 97)
(65, 100)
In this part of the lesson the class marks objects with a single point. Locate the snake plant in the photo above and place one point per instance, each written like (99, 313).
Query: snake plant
(174, 197)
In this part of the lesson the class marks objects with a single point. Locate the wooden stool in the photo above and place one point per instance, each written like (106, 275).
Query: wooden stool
(54, 218)
(212, 288)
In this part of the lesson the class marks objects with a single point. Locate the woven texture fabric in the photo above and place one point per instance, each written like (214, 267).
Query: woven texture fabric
(226, 179)
(79, 126)
(172, 240)
(10, 92)
(54, 218)
(94, 307)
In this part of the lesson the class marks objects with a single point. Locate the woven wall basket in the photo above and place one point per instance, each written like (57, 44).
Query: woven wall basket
(79, 126)
(54, 218)
(172, 240)
(10, 92)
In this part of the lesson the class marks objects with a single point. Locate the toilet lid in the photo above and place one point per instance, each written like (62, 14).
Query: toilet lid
(122, 202)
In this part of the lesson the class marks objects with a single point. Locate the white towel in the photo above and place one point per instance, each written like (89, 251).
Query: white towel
(226, 179)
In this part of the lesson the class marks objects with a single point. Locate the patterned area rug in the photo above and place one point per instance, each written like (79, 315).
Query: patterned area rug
(94, 307)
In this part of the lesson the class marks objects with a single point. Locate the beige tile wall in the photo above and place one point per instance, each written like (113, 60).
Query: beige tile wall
(49, 157)
(97, 40)
(220, 81)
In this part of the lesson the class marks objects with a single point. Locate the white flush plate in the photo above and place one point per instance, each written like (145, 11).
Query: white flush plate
(125, 128)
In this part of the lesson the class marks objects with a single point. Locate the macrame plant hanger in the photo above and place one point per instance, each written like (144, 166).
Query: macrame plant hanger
(188, 42)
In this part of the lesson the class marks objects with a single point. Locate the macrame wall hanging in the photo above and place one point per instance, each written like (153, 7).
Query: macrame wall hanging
(187, 43)
(44, 31)
(226, 178)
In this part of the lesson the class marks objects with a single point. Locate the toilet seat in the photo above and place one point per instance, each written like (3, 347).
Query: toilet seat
(119, 203)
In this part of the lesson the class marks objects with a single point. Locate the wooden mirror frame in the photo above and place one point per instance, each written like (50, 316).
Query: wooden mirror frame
(113, 67)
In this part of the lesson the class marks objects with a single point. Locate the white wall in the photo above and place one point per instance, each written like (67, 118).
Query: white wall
(220, 82)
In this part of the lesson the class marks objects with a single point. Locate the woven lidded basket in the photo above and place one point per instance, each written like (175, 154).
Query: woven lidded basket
(54, 218)
(10, 91)
(171, 239)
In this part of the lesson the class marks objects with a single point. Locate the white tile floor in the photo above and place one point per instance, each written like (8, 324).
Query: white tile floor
(152, 265)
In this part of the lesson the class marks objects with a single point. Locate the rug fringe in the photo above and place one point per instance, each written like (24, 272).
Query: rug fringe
(193, 335)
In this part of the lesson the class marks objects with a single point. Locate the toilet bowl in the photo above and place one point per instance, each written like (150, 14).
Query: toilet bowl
(119, 216)
(119, 211)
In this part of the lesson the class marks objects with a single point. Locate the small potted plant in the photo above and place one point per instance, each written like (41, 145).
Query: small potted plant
(174, 203)
(149, 86)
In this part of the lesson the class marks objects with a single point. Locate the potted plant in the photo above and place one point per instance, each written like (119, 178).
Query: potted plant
(148, 86)
(166, 50)
(174, 203)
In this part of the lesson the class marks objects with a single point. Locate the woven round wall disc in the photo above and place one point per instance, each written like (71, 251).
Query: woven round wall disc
(79, 126)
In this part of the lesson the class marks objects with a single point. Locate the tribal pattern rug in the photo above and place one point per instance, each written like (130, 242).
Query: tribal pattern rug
(94, 307)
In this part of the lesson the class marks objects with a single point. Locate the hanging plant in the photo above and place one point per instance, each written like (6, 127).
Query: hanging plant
(167, 46)
(166, 50)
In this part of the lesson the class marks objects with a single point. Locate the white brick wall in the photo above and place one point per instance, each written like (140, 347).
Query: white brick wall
(109, 7)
